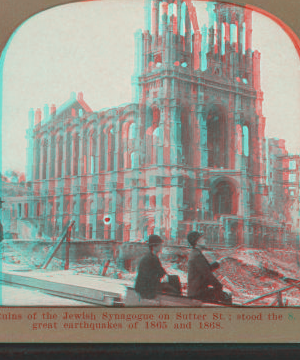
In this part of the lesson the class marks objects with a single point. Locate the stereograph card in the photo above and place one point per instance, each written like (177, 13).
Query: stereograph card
(150, 173)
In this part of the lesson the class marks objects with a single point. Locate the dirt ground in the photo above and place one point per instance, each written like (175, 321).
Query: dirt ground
(246, 273)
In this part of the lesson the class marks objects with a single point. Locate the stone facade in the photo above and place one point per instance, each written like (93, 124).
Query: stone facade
(188, 155)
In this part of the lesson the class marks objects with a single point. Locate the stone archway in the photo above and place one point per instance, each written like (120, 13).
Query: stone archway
(224, 197)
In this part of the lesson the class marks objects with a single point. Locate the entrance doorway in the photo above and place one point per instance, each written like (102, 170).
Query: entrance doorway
(224, 199)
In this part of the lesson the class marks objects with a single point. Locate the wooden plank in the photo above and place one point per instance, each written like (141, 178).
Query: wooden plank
(133, 299)
(74, 291)
(94, 290)
(296, 284)
(57, 245)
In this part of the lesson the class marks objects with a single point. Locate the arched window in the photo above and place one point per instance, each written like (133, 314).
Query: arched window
(53, 156)
(217, 143)
(75, 153)
(110, 203)
(59, 156)
(172, 13)
(85, 145)
(38, 209)
(152, 132)
(245, 140)
(233, 33)
(37, 158)
(92, 152)
(239, 139)
(149, 145)
(102, 149)
(160, 23)
(132, 156)
(111, 149)
(186, 136)
(68, 153)
(132, 131)
(19, 210)
(100, 230)
(126, 135)
(26, 210)
(90, 233)
(223, 39)
(244, 39)
(45, 159)
(145, 232)
(183, 14)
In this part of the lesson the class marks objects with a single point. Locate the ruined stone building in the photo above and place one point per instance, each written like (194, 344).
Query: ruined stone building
(188, 155)
(291, 183)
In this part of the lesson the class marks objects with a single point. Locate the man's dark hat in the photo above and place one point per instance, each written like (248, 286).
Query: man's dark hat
(194, 236)
(154, 240)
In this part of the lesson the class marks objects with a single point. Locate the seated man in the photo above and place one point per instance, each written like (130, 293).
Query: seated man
(202, 284)
(151, 273)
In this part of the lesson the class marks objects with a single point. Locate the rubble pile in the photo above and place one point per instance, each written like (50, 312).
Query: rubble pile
(246, 273)
(249, 273)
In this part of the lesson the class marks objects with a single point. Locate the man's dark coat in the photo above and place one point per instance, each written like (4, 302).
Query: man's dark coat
(200, 275)
(150, 272)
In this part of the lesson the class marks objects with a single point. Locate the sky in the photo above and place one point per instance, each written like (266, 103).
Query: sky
(89, 47)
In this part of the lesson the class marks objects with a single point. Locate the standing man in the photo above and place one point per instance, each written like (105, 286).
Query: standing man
(151, 274)
(202, 284)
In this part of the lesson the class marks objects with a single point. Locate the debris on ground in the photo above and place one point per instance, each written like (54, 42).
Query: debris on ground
(246, 273)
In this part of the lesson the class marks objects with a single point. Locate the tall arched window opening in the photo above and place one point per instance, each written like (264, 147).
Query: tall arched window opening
(132, 131)
(217, 142)
(75, 153)
(133, 158)
(68, 153)
(53, 156)
(26, 210)
(123, 146)
(85, 152)
(19, 210)
(37, 158)
(151, 135)
(245, 140)
(93, 147)
(233, 33)
(45, 159)
(183, 15)
(223, 39)
(103, 147)
(111, 149)
(239, 139)
(172, 14)
(59, 156)
(186, 136)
